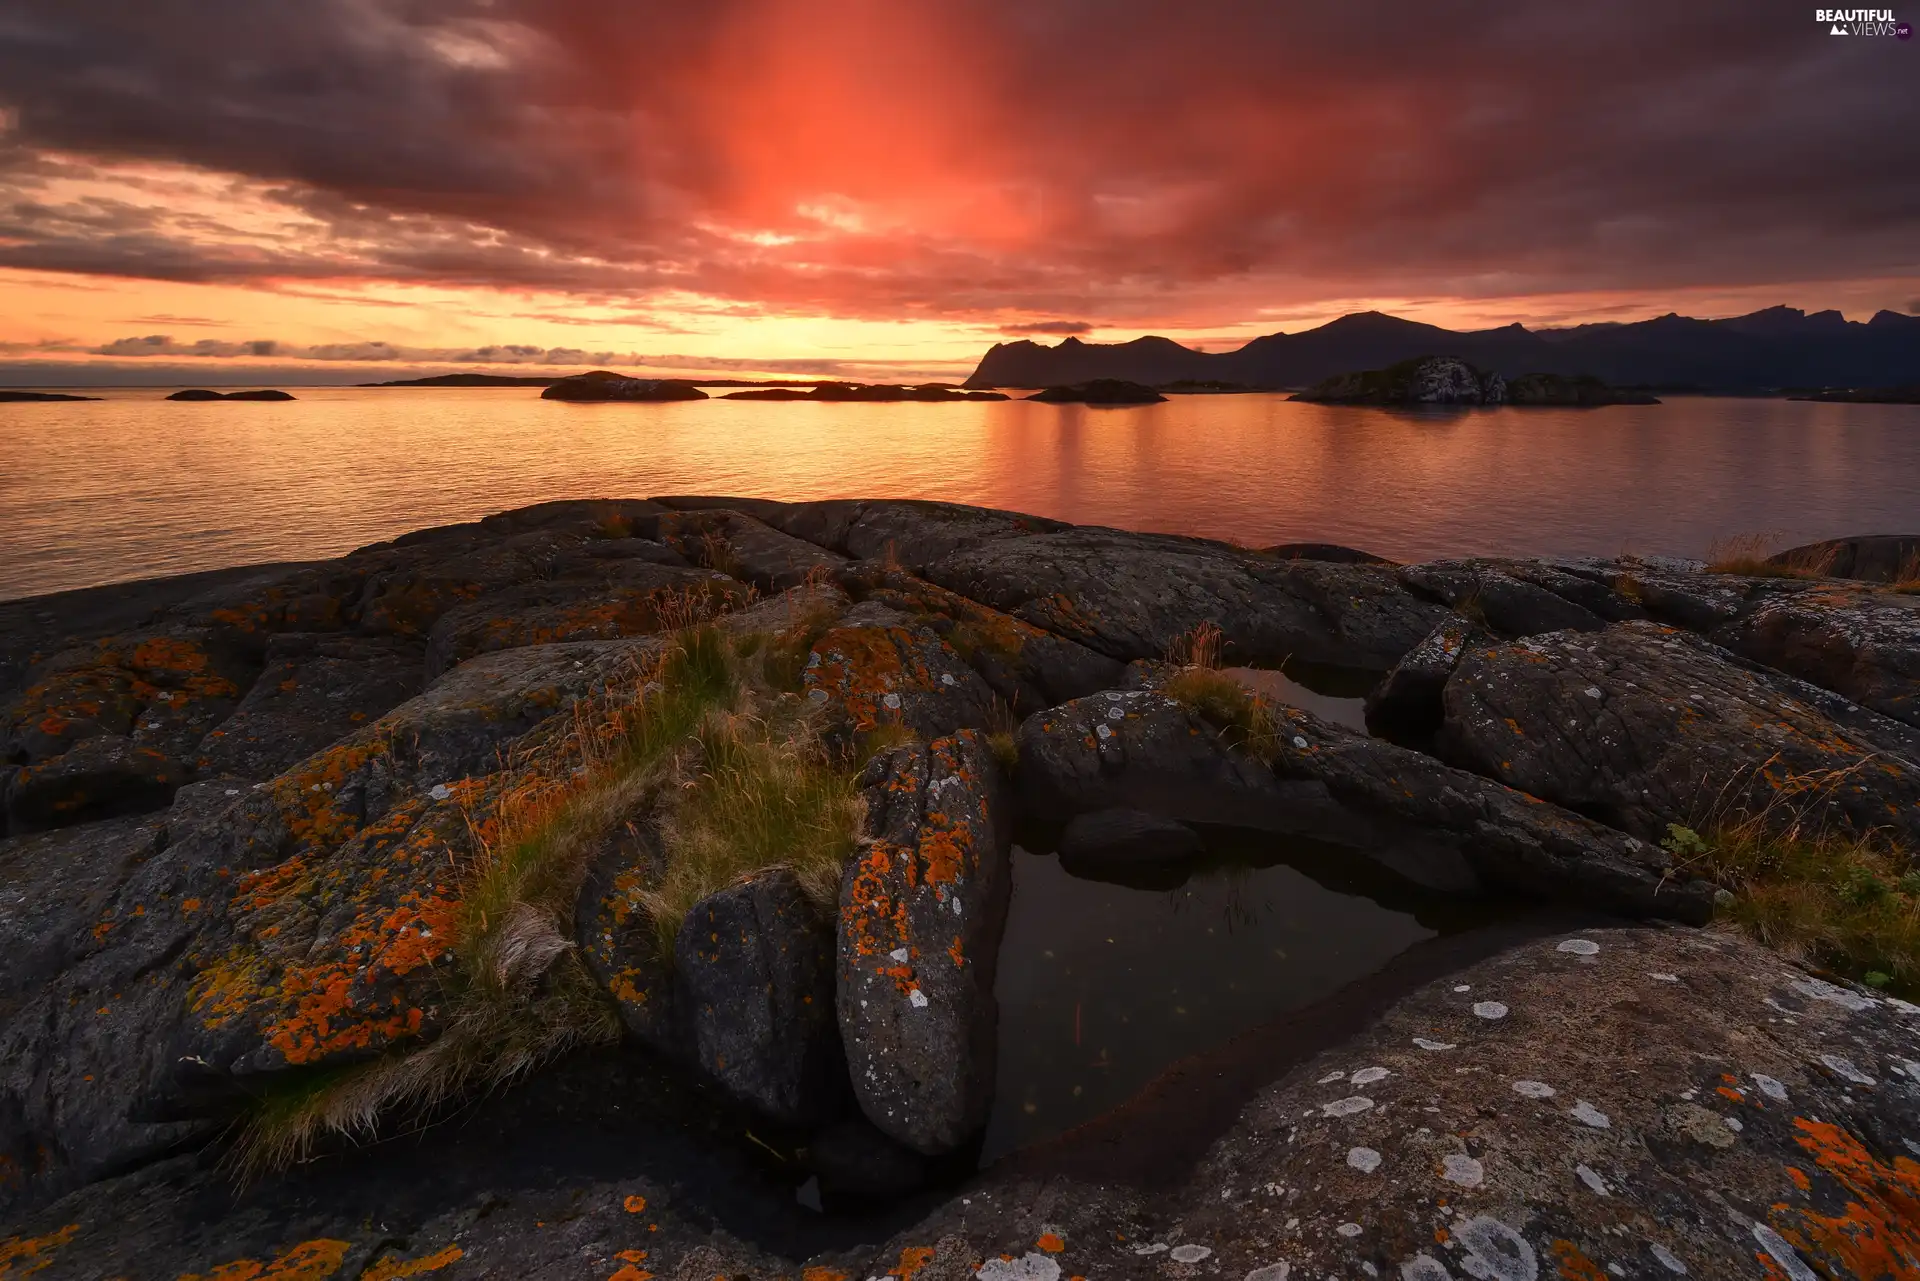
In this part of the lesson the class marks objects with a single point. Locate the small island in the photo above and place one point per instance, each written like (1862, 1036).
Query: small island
(201, 393)
(1907, 395)
(603, 385)
(1101, 391)
(1448, 380)
(11, 397)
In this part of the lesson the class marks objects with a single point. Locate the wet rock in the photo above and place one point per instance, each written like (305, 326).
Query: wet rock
(755, 967)
(632, 597)
(1509, 605)
(1123, 839)
(316, 689)
(739, 545)
(1134, 596)
(1405, 707)
(884, 671)
(622, 949)
(1438, 826)
(53, 888)
(922, 907)
(601, 384)
(100, 777)
(1642, 725)
(1859, 643)
(1878, 558)
(853, 1159)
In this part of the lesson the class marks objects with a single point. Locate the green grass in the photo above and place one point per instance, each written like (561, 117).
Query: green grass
(1844, 902)
(735, 773)
(1245, 720)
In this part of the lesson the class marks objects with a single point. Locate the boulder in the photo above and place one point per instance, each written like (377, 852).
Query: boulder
(909, 533)
(1879, 558)
(1101, 842)
(754, 965)
(425, 579)
(1437, 826)
(1134, 596)
(1509, 605)
(601, 384)
(876, 668)
(1861, 643)
(1641, 726)
(922, 907)
(1027, 667)
(622, 949)
(1101, 391)
(318, 687)
(1405, 707)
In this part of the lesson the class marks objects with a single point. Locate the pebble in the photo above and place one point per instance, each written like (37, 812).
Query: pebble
(1591, 1179)
(1189, 1253)
(1427, 1044)
(1587, 1114)
(1667, 1259)
(1844, 1068)
(1367, 1076)
(1770, 1087)
(1347, 1106)
(1349, 1229)
(1533, 1089)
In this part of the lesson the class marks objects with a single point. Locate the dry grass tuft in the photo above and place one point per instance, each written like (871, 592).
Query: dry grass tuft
(1199, 647)
(1245, 720)
(1746, 555)
(1906, 579)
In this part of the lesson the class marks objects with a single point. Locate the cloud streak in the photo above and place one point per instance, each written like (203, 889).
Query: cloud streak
(998, 162)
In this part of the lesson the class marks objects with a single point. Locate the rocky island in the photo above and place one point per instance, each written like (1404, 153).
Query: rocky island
(201, 393)
(615, 889)
(603, 385)
(1448, 380)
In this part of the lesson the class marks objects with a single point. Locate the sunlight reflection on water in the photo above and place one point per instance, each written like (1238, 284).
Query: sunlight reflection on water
(135, 485)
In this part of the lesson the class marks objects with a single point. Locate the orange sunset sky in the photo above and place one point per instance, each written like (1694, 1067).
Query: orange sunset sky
(344, 189)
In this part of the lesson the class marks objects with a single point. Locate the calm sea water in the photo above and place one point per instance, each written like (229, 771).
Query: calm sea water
(135, 485)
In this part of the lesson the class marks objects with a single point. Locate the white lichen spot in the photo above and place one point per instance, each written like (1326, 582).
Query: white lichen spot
(1733, 1123)
(1426, 1043)
(898, 954)
(1587, 1114)
(1783, 1254)
(1032, 1266)
(1821, 990)
(917, 999)
(1578, 947)
(1490, 1009)
(1368, 1075)
(1349, 1229)
(1348, 1106)
(1189, 1253)
(891, 702)
(1464, 1170)
(1463, 987)
(1299, 742)
(1844, 1068)
(1658, 977)
(1593, 691)
(1338, 1074)
(1667, 1259)
(1102, 731)
(1592, 1179)
(1533, 1089)
(1495, 1252)
(946, 678)
(1770, 1087)
(1155, 1247)
(1272, 1272)
(1365, 1160)
(1424, 1267)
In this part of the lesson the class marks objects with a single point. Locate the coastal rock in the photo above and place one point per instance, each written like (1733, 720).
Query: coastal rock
(1435, 825)
(1333, 552)
(1641, 726)
(433, 576)
(881, 670)
(622, 949)
(1027, 667)
(1424, 380)
(755, 967)
(1878, 558)
(1100, 391)
(1405, 707)
(601, 384)
(744, 548)
(54, 887)
(922, 907)
(203, 394)
(317, 688)
(1134, 596)
(1509, 605)
(100, 777)
(1123, 839)
(1860, 643)
(10, 396)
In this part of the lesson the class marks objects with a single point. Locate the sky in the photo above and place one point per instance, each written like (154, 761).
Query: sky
(333, 190)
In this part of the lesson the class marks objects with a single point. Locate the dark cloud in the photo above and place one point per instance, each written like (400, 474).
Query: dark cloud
(989, 159)
(1049, 327)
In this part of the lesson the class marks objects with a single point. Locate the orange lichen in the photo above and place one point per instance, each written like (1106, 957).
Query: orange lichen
(912, 1259)
(397, 1269)
(630, 1269)
(1574, 1265)
(308, 1261)
(635, 1204)
(24, 1256)
(1051, 1242)
(822, 1274)
(1877, 1233)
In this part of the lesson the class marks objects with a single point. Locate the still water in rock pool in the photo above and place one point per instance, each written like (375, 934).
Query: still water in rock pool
(1103, 986)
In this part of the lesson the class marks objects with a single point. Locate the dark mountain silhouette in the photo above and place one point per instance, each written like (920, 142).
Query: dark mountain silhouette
(1765, 351)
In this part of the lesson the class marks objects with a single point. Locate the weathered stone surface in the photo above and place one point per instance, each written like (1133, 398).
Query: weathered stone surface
(1024, 665)
(428, 580)
(1880, 558)
(922, 907)
(622, 949)
(616, 598)
(54, 886)
(1436, 825)
(317, 688)
(602, 384)
(100, 777)
(1509, 605)
(907, 532)
(755, 968)
(1405, 707)
(1334, 552)
(1106, 840)
(1861, 643)
(1642, 726)
(737, 544)
(875, 668)
(1134, 596)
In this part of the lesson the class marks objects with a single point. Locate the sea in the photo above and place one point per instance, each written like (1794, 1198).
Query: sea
(134, 485)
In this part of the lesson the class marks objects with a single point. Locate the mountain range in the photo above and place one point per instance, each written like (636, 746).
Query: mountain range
(1770, 350)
